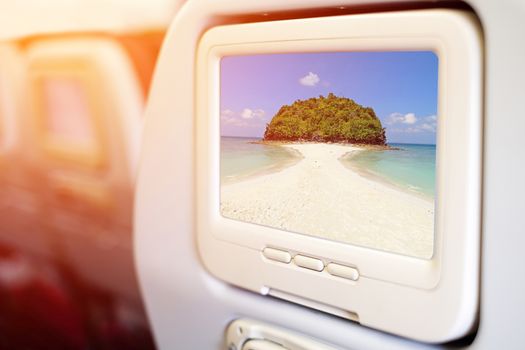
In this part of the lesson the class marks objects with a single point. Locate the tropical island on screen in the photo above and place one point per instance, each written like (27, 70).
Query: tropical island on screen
(323, 166)
(330, 119)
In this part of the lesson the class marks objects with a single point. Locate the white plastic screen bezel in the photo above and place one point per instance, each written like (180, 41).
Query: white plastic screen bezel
(439, 294)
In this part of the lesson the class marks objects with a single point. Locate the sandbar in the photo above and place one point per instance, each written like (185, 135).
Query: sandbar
(319, 196)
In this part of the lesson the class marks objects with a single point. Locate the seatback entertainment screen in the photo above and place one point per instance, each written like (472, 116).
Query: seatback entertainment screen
(336, 145)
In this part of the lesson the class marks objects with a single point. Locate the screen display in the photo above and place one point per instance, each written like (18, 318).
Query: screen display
(67, 111)
(336, 145)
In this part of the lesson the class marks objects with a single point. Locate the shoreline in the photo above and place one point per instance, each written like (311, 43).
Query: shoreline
(366, 173)
(305, 142)
(295, 157)
(346, 160)
(322, 197)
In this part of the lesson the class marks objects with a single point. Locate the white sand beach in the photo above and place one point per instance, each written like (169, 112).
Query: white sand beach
(319, 196)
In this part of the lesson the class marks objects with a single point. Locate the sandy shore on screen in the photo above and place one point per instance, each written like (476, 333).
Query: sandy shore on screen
(320, 196)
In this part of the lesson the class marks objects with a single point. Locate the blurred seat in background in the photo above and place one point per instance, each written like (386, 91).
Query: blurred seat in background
(19, 193)
(86, 106)
(71, 145)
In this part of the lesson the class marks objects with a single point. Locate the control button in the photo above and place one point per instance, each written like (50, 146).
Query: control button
(343, 271)
(277, 255)
(308, 262)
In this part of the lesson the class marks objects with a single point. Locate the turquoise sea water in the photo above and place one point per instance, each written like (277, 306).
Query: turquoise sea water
(240, 157)
(411, 166)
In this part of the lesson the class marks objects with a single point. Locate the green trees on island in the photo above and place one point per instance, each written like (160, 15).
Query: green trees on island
(326, 119)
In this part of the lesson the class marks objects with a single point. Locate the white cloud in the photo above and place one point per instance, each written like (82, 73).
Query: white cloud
(259, 113)
(428, 127)
(227, 112)
(411, 130)
(248, 113)
(410, 118)
(228, 117)
(311, 79)
(247, 117)
(415, 124)
(394, 118)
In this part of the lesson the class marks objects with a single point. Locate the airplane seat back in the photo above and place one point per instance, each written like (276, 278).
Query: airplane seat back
(19, 197)
(173, 278)
(10, 60)
(11, 76)
(86, 107)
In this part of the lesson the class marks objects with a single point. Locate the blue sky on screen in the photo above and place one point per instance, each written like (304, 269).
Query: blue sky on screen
(402, 88)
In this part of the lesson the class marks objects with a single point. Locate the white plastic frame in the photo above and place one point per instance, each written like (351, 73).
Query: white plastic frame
(437, 299)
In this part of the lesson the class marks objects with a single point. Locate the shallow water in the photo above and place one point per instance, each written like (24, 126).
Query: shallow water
(240, 157)
(411, 166)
